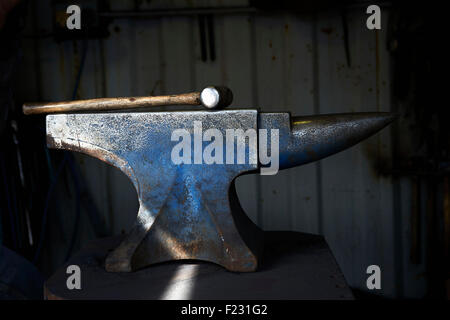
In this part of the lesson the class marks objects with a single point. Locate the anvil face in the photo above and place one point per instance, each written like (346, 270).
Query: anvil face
(190, 210)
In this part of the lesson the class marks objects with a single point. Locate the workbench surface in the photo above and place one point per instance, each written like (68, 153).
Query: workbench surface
(294, 266)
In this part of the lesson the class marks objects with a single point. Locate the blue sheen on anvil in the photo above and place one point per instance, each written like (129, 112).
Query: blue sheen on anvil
(191, 211)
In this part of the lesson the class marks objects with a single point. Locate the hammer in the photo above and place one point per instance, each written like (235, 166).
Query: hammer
(212, 97)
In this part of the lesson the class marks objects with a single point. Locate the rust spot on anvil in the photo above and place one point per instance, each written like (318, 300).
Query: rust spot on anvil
(311, 153)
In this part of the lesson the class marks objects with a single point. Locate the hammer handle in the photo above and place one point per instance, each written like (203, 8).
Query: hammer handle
(104, 104)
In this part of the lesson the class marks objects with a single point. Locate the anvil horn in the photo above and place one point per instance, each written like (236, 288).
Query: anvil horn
(310, 138)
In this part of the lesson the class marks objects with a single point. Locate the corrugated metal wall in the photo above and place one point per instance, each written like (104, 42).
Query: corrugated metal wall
(276, 62)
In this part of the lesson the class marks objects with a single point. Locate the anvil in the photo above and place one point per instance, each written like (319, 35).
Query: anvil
(191, 210)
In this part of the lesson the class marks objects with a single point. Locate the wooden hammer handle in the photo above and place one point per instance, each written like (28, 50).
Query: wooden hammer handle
(104, 104)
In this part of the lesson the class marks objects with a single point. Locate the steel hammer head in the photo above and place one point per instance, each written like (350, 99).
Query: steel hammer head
(215, 97)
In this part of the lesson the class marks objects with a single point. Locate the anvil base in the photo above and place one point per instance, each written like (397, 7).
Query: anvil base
(294, 266)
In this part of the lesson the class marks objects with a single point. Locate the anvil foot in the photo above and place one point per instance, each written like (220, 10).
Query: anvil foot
(235, 245)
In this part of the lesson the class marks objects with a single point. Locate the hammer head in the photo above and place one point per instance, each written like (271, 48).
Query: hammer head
(215, 97)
